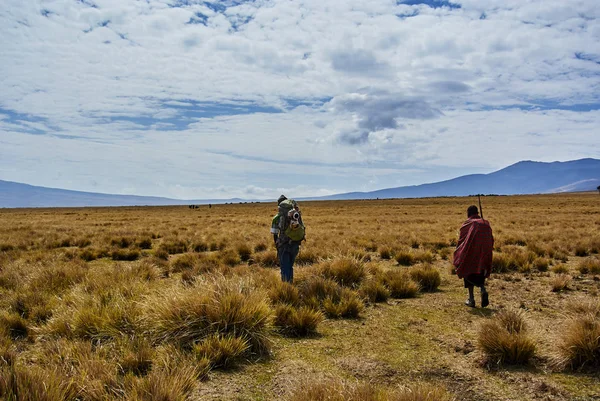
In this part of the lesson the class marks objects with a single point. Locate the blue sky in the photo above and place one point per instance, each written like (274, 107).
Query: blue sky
(218, 99)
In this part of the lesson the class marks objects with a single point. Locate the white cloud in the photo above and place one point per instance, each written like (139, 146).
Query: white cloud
(130, 95)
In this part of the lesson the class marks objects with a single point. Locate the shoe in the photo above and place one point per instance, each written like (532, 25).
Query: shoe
(470, 302)
(484, 299)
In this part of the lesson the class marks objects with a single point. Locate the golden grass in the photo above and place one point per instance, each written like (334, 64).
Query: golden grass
(110, 302)
(504, 340)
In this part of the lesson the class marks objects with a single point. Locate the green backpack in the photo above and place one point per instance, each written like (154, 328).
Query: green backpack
(290, 221)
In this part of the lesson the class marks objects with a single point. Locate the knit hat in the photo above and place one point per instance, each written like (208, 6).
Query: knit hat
(281, 199)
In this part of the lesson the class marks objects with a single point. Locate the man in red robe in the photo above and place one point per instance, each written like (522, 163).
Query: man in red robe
(473, 255)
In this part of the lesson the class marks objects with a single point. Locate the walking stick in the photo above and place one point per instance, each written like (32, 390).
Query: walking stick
(480, 209)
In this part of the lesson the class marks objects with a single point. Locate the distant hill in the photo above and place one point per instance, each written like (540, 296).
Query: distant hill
(14, 194)
(525, 177)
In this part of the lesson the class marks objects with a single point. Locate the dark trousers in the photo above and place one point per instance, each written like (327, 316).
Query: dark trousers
(475, 280)
(287, 257)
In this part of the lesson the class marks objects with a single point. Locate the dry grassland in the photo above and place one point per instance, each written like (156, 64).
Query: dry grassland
(172, 303)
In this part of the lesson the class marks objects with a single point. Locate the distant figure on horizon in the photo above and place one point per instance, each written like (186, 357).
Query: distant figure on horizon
(288, 233)
(473, 255)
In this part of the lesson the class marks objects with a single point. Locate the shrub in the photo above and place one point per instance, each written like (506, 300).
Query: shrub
(223, 351)
(400, 284)
(589, 265)
(580, 343)
(560, 283)
(297, 322)
(374, 290)
(346, 271)
(504, 340)
(244, 251)
(125, 254)
(405, 258)
(427, 277)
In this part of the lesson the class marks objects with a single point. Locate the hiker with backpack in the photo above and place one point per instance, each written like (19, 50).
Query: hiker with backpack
(288, 232)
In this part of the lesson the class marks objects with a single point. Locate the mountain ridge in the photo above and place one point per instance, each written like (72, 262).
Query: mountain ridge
(523, 177)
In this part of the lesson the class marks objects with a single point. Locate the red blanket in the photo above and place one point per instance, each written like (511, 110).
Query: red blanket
(473, 253)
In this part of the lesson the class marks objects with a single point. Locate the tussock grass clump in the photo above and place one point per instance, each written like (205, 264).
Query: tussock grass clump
(172, 380)
(560, 269)
(405, 258)
(268, 259)
(429, 279)
(561, 282)
(122, 242)
(297, 322)
(260, 247)
(346, 271)
(225, 306)
(580, 343)
(244, 251)
(335, 301)
(306, 257)
(284, 293)
(174, 246)
(400, 284)
(581, 250)
(58, 277)
(385, 252)
(125, 254)
(337, 390)
(33, 383)
(589, 265)
(144, 243)
(200, 246)
(223, 351)
(14, 326)
(230, 258)
(541, 264)
(138, 358)
(374, 291)
(504, 340)
(346, 304)
(186, 261)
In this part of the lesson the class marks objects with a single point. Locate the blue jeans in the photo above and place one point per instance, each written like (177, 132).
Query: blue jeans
(287, 256)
